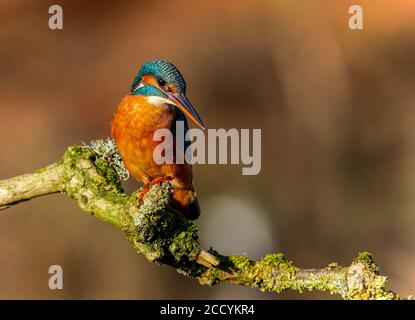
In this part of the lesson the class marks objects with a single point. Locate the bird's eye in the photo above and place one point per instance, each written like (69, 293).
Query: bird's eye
(161, 82)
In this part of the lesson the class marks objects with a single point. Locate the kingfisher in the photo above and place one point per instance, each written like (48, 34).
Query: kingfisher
(157, 100)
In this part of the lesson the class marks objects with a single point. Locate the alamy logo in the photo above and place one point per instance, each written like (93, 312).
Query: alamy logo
(356, 18)
(56, 18)
(56, 278)
(180, 147)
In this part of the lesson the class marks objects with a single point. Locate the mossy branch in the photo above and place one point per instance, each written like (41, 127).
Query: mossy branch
(91, 176)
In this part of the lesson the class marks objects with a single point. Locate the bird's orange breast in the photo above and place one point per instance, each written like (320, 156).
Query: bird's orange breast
(133, 127)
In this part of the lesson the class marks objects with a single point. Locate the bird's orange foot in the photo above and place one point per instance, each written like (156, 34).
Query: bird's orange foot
(147, 186)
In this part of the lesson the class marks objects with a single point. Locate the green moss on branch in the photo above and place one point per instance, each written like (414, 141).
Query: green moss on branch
(92, 176)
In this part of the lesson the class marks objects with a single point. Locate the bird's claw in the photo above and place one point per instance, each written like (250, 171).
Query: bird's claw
(147, 186)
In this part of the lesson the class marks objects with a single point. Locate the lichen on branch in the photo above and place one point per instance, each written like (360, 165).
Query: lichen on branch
(92, 176)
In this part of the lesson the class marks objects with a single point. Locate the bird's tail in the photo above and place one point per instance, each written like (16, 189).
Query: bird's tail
(186, 202)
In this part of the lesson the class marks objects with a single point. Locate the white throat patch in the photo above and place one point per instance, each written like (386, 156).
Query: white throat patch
(159, 101)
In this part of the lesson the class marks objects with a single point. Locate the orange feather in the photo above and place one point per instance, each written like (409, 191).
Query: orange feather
(132, 128)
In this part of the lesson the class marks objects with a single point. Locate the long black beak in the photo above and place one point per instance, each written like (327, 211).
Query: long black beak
(181, 101)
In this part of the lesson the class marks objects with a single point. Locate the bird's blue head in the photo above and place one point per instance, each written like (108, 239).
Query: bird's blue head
(162, 79)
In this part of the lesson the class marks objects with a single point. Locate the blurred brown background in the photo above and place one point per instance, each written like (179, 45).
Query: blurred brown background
(336, 108)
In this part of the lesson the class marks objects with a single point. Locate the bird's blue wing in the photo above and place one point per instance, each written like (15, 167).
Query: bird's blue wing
(183, 147)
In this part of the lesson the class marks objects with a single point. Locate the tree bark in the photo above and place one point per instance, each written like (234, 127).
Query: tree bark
(91, 176)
